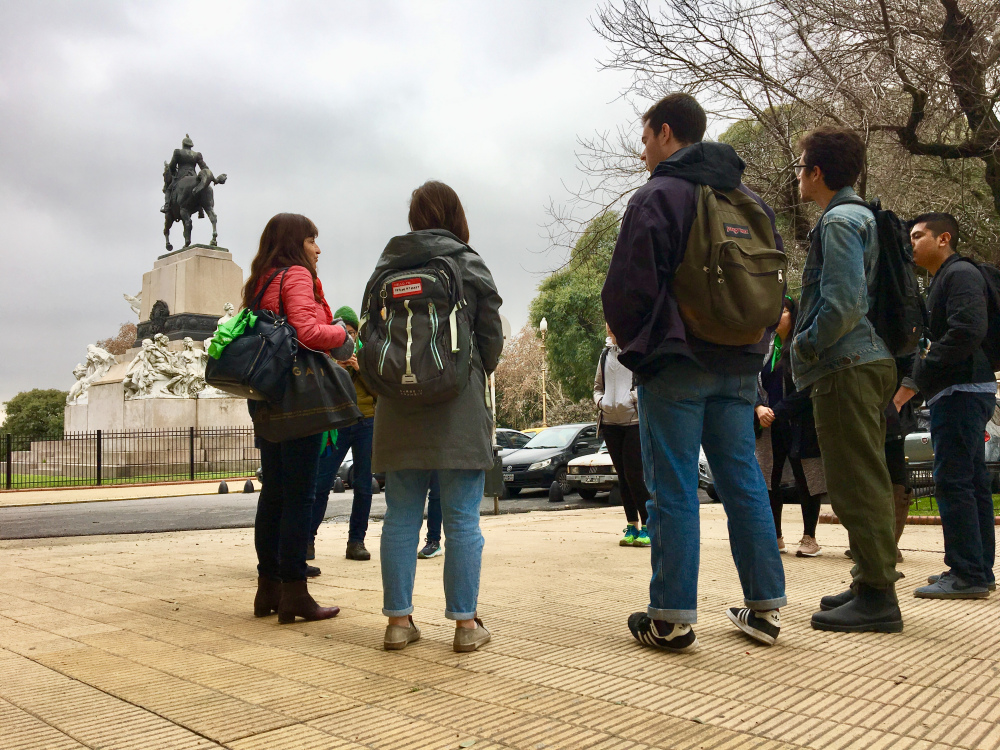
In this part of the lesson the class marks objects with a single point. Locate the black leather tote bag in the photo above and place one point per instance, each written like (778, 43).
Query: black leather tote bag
(255, 365)
(320, 396)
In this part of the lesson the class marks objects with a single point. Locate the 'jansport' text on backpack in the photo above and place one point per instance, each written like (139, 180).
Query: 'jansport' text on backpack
(416, 334)
(896, 307)
(730, 283)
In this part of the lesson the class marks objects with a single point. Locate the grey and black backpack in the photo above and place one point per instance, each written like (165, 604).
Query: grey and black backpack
(416, 334)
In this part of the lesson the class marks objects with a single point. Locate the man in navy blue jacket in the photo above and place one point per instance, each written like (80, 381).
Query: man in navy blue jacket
(691, 392)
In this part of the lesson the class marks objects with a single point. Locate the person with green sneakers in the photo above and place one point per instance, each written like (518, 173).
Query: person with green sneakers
(614, 393)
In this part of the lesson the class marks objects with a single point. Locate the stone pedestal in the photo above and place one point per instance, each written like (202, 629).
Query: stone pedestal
(185, 293)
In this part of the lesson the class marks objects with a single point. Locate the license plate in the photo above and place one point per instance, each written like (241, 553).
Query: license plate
(592, 479)
(508, 477)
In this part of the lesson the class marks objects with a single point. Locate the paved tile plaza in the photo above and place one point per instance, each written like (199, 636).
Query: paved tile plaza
(149, 642)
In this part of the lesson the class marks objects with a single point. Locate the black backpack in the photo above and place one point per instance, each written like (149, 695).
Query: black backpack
(896, 307)
(416, 334)
(991, 344)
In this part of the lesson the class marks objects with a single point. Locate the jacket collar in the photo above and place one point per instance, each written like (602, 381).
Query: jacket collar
(843, 195)
(948, 261)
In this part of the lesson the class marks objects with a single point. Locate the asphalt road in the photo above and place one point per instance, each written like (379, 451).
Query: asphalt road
(192, 512)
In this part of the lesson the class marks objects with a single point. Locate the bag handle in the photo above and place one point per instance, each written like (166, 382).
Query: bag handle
(255, 303)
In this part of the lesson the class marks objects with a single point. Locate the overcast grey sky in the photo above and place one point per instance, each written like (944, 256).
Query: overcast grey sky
(332, 109)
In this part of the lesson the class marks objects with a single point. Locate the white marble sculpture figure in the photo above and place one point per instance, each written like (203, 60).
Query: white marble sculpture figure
(154, 368)
(134, 302)
(227, 313)
(95, 367)
(192, 381)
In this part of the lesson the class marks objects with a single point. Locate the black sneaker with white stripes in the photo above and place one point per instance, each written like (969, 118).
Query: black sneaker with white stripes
(761, 626)
(659, 634)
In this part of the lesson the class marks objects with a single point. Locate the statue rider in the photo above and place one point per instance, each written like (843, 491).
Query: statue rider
(182, 165)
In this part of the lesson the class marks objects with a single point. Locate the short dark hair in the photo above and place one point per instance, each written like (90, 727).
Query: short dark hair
(682, 113)
(434, 205)
(838, 152)
(939, 222)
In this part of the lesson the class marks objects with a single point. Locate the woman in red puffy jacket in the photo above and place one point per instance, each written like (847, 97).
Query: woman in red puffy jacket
(284, 511)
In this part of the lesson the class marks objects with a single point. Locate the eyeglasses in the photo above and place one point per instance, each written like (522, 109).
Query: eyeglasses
(797, 167)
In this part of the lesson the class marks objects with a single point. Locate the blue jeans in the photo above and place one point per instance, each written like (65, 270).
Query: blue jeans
(962, 481)
(434, 510)
(358, 439)
(284, 507)
(461, 496)
(682, 407)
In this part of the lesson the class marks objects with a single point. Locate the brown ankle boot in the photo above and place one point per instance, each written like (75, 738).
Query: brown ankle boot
(268, 596)
(901, 508)
(296, 602)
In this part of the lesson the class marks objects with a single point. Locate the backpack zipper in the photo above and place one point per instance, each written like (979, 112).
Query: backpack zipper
(432, 310)
(388, 340)
(408, 376)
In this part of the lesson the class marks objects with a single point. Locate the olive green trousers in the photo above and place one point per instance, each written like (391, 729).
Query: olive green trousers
(849, 407)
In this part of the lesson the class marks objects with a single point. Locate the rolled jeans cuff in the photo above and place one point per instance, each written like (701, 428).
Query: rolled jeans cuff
(765, 605)
(397, 612)
(679, 616)
(459, 615)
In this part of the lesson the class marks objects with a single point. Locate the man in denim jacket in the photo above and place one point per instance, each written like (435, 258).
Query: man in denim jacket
(853, 376)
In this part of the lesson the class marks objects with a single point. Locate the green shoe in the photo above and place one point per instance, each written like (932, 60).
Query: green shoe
(642, 538)
(630, 536)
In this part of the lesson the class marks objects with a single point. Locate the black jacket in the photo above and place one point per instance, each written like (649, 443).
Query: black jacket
(776, 389)
(957, 304)
(639, 304)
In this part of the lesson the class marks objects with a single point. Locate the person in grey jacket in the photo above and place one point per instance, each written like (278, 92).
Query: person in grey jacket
(836, 350)
(454, 438)
(615, 396)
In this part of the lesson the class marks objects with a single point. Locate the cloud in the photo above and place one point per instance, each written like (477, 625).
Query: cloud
(332, 109)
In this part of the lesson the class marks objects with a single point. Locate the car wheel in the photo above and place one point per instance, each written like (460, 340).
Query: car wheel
(615, 496)
(588, 494)
(513, 491)
(563, 484)
(712, 493)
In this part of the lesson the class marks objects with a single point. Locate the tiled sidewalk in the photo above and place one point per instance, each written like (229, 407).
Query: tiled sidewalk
(149, 642)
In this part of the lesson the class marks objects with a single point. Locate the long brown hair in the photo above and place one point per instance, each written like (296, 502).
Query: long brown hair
(434, 205)
(281, 245)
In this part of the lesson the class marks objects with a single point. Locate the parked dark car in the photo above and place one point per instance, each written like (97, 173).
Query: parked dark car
(543, 459)
(346, 472)
(509, 440)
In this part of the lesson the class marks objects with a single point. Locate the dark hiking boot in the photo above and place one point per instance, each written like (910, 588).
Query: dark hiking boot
(268, 596)
(871, 610)
(357, 551)
(837, 600)
(312, 571)
(297, 602)
(311, 551)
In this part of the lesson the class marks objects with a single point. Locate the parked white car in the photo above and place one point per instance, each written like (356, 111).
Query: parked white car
(591, 474)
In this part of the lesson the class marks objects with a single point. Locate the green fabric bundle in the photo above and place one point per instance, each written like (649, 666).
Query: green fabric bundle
(229, 330)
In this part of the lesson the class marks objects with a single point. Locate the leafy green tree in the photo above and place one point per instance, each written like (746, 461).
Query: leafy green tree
(35, 413)
(570, 300)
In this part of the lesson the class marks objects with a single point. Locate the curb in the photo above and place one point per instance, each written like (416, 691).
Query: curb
(911, 520)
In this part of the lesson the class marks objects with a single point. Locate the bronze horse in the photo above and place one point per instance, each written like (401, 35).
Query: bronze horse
(188, 192)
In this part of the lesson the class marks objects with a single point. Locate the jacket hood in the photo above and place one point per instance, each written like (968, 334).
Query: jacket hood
(707, 163)
(414, 248)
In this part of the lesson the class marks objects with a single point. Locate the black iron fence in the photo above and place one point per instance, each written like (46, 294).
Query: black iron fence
(130, 457)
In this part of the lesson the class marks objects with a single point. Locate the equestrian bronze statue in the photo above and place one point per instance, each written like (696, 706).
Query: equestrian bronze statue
(188, 192)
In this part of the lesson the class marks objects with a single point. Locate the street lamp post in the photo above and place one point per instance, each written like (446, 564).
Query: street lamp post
(543, 326)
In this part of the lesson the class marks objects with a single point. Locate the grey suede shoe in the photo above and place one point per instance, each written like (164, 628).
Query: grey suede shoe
(950, 586)
(397, 637)
(467, 639)
(992, 586)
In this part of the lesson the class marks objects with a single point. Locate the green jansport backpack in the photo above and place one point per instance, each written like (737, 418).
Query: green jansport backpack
(731, 281)
(416, 334)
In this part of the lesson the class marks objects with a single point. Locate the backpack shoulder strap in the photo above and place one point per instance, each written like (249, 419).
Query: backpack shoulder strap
(255, 303)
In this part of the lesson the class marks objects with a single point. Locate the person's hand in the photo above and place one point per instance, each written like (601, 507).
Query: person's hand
(903, 395)
(765, 415)
(349, 363)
